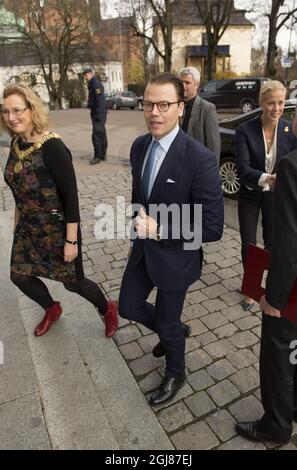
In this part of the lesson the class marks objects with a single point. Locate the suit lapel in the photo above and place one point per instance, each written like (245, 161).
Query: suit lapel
(259, 141)
(192, 119)
(280, 140)
(172, 161)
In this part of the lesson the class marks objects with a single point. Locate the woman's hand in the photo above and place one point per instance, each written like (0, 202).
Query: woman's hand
(70, 252)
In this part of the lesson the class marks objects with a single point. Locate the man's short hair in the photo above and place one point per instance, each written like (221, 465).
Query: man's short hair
(87, 70)
(166, 77)
(191, 71)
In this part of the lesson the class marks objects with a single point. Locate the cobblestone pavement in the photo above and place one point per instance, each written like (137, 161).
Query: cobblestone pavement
(222, 351)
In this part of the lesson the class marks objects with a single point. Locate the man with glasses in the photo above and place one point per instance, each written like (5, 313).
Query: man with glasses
(169, 169)
(200, 118)
(278, 360)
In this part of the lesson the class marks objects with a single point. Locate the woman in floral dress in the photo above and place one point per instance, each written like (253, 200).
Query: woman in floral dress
(47, 238)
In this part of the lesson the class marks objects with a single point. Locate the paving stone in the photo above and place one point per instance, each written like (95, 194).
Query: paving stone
(200, 380)
(257, 331)
(206, 338)
(197, 359)
(248, 322)
(231, 298)
(144, 364)
(214, 291)
(246, 379)
(213, 257)
(223, 392)
(222, 424)
(144, 331)
(232, 284)
(247, 409)
(256, 349)
(244, 339)
(225, 331)
(243, 358)
(191, 344)
(226, 273)
(219, 370)
(200, 404)
(209, 268)
(238, 268)
(110, 286)
(231, 253)
(194, 311)
(196, 297)
(126, 335)
(214, 305)
(289, 446)
(114, 274)
(219, 348)
(195, 436)
(196, 286)
(131, 351)
(225, 263)
(175, 416)
(148, 342)
(197, 327)
(211, 279)
(150, 382)
(235, 312)
(239, 443)
(214, 320)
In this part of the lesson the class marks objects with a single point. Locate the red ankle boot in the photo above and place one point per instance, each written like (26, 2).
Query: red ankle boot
(111, 319)
(52, 314)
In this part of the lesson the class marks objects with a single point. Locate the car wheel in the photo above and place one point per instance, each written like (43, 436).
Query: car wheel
(140, 106)
(230, 179)
(132, 107)
(247, 106)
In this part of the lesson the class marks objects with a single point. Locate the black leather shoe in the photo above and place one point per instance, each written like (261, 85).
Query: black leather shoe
(167, 390)
(94, 161)
(159, 349)
(251, 430)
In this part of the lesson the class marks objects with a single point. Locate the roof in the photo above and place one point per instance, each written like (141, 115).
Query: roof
(116, 26)
(185, 13)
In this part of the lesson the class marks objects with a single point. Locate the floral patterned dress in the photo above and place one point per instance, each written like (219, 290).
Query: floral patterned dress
(38, 244)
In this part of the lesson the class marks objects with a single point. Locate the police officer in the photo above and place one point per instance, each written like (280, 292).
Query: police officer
(97, 106)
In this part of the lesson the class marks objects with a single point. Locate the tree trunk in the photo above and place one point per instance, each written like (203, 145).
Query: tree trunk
(270, 70)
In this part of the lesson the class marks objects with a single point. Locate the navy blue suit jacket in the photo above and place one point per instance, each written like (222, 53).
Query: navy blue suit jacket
(250, 149)
(194, 170)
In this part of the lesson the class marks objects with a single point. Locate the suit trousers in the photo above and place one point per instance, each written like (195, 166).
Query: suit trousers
(164, 318)
(278, 376)
(249, 205)
(99, 139)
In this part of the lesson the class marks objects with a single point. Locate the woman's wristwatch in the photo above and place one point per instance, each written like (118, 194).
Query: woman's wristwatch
(70, 242)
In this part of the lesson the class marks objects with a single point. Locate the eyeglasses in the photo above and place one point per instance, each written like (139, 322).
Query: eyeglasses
(162, 106)
(15, 112)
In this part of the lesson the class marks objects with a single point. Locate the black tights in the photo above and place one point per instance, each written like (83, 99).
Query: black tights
(36, 290)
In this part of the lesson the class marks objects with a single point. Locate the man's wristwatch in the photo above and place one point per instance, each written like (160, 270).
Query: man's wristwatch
(70, 242)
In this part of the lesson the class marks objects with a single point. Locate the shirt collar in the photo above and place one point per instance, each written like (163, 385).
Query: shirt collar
(167, 140)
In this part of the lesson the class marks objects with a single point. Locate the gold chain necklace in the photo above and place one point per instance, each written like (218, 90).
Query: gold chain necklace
(21, 154)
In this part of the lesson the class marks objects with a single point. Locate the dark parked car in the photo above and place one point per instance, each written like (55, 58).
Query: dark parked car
(234, 93)
(228, 170)
(122, 99)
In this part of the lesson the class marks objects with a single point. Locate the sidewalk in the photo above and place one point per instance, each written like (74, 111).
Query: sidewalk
(75, 389)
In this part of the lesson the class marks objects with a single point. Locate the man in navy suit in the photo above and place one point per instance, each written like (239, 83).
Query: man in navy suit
(168, 168)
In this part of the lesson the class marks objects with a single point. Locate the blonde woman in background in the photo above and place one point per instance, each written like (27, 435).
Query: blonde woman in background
(259, 145)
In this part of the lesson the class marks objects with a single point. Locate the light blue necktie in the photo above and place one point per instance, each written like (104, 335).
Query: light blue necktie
(147, 174)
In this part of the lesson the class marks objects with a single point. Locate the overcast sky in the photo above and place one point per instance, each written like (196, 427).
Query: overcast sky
(109, 9)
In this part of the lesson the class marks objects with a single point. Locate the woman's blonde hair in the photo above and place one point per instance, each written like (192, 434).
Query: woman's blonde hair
(270, 85)
(39, 113)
